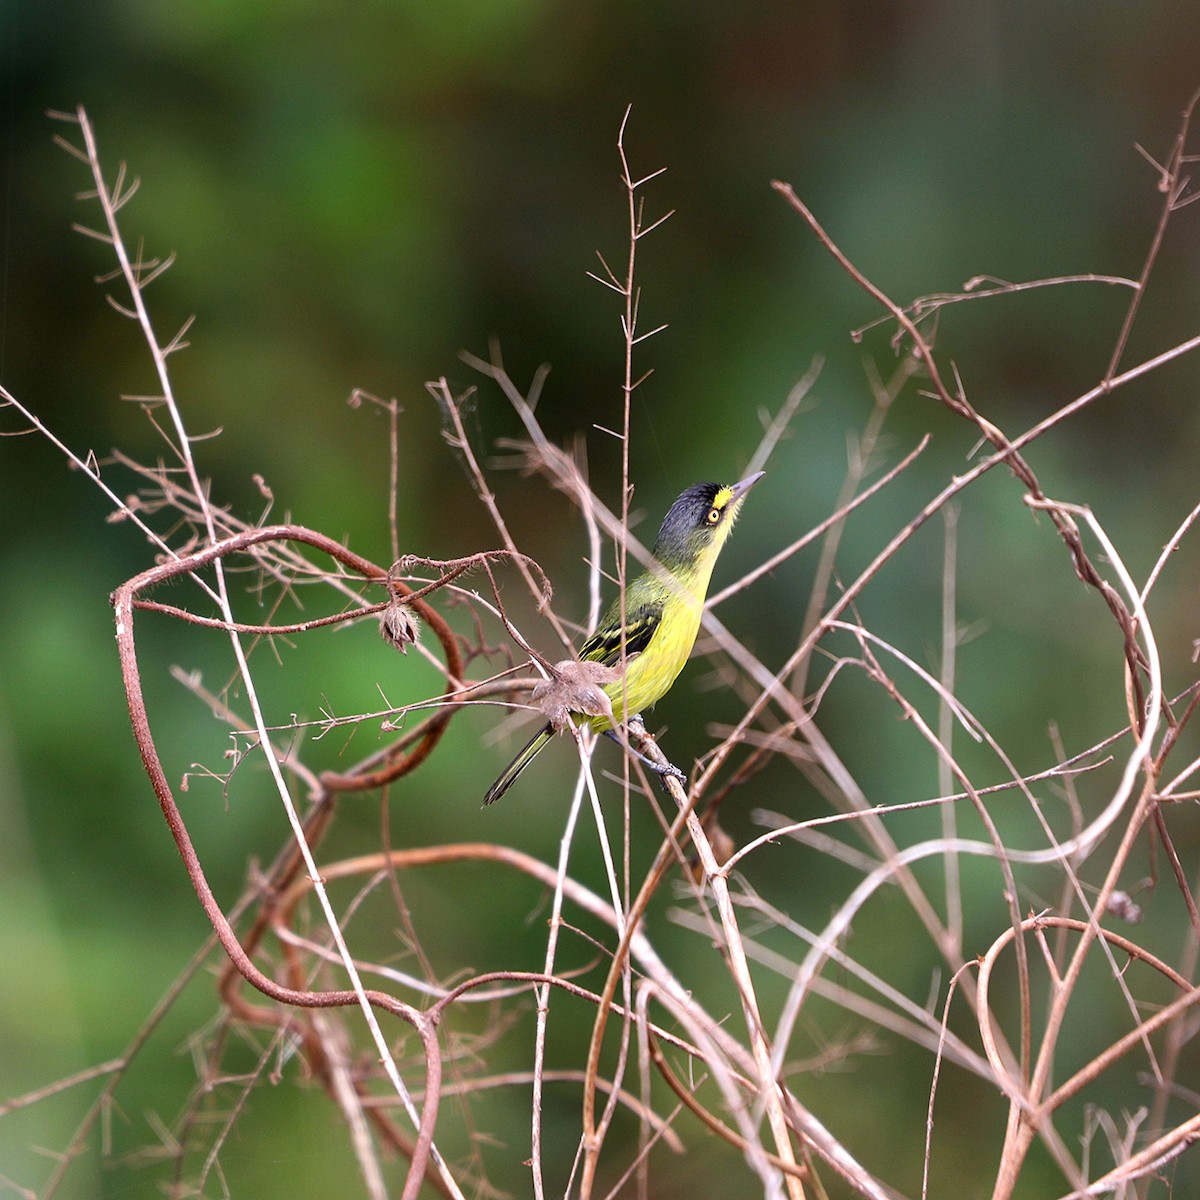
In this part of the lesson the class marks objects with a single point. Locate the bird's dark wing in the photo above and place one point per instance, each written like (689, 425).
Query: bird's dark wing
(604, 646)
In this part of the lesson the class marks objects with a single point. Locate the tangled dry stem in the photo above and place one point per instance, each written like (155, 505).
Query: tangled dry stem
(732, 1076)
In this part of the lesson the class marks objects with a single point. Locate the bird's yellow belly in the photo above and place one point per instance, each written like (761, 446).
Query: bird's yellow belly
(649, 676)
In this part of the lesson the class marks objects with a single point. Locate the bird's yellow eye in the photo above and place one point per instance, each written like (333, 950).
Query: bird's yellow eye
(714, 515)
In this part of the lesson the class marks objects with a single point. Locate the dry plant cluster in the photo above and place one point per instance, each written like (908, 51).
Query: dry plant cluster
(404, 1057)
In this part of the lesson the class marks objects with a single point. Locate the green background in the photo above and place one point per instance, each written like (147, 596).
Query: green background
(357, 193)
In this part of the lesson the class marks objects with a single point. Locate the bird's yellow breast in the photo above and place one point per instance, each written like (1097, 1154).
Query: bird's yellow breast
(649, 675)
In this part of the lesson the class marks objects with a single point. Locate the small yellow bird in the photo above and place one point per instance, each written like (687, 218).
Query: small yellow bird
(662, 614)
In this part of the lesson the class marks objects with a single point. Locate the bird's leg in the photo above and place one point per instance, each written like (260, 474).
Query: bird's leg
(663, 769)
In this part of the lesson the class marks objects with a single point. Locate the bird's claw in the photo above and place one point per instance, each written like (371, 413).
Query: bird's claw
(662, 770)
(671, 771)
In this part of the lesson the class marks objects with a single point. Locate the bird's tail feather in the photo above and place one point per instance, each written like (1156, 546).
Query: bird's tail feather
(524, 757)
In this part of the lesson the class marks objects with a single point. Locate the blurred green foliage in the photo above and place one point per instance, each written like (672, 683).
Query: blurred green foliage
(356, 194)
